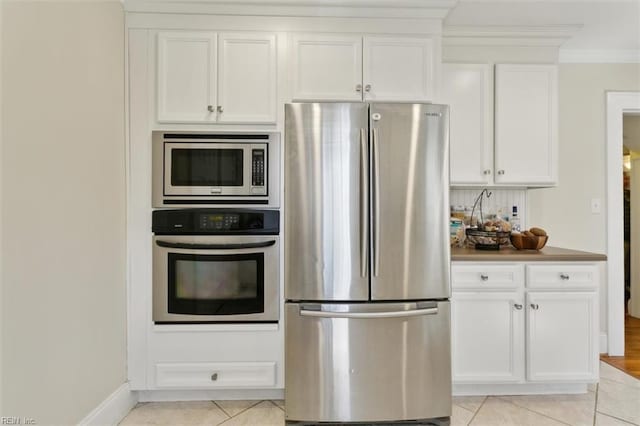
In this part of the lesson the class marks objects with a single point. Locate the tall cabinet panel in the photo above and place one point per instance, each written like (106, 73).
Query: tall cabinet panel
(186, 77)
(327, 67)
(398, 69)
(526, 108)
(468, 90)
(247, 77)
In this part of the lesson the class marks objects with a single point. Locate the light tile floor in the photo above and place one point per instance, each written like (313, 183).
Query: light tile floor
(615, 401)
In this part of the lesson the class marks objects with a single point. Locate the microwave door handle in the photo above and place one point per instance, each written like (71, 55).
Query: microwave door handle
(191, 246)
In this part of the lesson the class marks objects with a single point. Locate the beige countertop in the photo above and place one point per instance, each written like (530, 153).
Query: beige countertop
(510, 254)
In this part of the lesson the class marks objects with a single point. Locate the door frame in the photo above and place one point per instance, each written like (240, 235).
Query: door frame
(618, 103)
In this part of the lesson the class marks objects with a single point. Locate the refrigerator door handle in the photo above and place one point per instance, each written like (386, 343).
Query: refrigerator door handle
(364, 193)
(369, 315)
(376, 201)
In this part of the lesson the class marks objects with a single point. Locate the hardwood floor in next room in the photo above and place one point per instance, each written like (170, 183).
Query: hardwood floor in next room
(630, 362)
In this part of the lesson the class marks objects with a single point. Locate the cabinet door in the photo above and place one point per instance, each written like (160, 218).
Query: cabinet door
(468, 90)
(526, 124)
(327, 67)
(247, 78)
(398, 69)
(487, 341)
(562, 336)
(186, 77)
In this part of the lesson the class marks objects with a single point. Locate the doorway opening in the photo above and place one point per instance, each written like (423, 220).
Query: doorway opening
(623, 329)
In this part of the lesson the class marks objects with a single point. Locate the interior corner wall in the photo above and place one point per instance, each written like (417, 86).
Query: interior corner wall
(63, 208)
(565, 211)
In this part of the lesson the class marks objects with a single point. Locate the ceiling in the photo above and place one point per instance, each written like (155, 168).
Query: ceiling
(601, 25)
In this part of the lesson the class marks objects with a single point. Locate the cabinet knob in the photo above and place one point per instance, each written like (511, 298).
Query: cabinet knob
(367, 88)
(487, 172)
(210, 108)
(518, 306)
(484, 277)
(358, 87)
(214, 377)
(220, 109)
(564, 277)
(534, 306)
(500, 172)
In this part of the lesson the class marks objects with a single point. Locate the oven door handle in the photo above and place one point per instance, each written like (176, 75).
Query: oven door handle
(190, 246)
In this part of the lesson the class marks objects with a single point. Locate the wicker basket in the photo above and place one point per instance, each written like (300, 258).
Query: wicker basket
(487, 240)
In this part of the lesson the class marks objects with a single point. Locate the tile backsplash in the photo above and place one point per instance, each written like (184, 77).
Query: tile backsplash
(500, 201)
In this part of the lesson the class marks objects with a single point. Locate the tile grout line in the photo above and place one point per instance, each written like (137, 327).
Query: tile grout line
(595, 406)
(617, 418)
(533, 411)
(478, 410)
(271, 401)
(240, 412)
(222, 409)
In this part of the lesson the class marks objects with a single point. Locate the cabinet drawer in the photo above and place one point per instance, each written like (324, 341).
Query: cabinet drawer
(216, 375)
(488, 276)
(562, 276)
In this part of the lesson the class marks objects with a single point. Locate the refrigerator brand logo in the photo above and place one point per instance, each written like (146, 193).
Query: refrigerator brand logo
(434, 114)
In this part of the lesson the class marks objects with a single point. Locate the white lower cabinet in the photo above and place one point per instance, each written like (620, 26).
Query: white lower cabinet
(561, 336)
(544, 330)
(487, 343)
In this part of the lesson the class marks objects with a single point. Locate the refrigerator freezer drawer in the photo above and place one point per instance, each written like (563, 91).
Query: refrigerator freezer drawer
(367, 362)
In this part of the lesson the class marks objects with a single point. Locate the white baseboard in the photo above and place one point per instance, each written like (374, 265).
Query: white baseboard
(604, 343)
(209, 395)
(113, 409)
(520, 389)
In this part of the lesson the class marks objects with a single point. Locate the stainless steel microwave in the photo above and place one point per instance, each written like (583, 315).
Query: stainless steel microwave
(197, 169)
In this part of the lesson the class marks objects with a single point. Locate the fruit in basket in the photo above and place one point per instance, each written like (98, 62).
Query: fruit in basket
(538, 232)
(496, 225)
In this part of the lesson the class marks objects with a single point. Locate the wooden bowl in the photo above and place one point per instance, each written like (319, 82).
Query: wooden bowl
(523, 242)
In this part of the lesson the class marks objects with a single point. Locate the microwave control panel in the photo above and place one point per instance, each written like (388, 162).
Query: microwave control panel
(257, 163)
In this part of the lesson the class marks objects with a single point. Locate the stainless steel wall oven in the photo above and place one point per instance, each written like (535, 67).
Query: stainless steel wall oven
(215, 265)
(208, 169)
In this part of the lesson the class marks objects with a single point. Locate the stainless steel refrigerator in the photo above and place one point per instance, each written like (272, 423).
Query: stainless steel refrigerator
(367, 324)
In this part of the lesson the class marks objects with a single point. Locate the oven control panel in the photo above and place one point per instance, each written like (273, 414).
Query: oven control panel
(216, 221)
(219, 221)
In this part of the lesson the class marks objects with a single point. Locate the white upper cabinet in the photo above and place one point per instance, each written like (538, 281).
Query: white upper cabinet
(526, 124)
(186, 76)
(468, 90)
(355, 68)
(247, 78)
(516, 147)
(327, 67)
(398, 69)
(206, 77)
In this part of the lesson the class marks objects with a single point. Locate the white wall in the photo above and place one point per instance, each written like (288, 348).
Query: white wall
(63, 208)
(565, 211)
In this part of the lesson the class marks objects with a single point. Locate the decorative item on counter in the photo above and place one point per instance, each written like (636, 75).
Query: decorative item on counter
(515, 220)
(533, 239)
(489, 235)
(456, 232)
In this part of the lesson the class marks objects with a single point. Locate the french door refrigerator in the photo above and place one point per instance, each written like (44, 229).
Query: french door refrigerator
(367, 323)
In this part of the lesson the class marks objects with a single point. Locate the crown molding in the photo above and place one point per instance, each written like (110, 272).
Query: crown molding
(431, 9)
(499, 35)
(599, 56)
